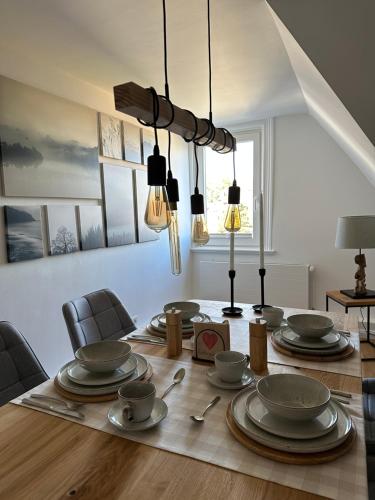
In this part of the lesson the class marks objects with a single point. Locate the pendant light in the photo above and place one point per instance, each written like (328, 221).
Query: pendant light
(199, 231)
(233, 217)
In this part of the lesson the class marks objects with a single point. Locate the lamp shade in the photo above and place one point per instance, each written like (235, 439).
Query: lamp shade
(356, 231)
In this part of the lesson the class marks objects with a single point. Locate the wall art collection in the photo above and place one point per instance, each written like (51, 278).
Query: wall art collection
(49, 148)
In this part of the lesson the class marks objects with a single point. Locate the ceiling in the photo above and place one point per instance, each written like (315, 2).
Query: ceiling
(113, 41)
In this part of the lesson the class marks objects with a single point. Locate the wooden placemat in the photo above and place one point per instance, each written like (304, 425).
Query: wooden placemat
(313, 357)
(286, 457)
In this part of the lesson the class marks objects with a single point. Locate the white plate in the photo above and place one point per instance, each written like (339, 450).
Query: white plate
(311, 429)
(330, 340)
(67, 384)
(162, 333)
(271, 328)
(341, 346)
(198, 318)
(248, 377)
(159, 412)
(81, 376)
(334, 438)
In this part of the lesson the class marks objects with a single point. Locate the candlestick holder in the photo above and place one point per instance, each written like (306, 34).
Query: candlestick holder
(257, 308)
(232, 311)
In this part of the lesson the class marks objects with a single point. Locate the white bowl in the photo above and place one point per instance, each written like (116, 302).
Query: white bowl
(293, 397)
(104, 356)
(310, 325)
(188, 309)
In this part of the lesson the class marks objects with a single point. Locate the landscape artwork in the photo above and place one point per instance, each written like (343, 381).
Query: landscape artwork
(23, 233)
(62, 229)
(119, 205)
(144, 233)
(49, 146)
(110, 136)
(148, 142)
(91, 227)
(132, 142)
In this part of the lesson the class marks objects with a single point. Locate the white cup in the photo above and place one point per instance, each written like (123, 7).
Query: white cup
(273, 316)
(137, 400)
(230, 365)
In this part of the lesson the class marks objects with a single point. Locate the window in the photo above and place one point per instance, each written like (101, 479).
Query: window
(253, 174)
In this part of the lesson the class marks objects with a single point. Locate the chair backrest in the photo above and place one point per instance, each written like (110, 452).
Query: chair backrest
(96, 316)
(20, 369)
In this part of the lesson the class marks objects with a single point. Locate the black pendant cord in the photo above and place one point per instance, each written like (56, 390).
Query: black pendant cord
(234, 167)
(196, 168)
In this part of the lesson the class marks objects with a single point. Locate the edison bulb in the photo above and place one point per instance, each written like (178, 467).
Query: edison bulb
(200, 234)
(156, 214)
(233, 219)
(174, 241)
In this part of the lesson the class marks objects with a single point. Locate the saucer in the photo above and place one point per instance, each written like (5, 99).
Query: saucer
(310, 429)
(248, 377)
(79, 375)
(159, 412)
(330, 340)
(271, 327)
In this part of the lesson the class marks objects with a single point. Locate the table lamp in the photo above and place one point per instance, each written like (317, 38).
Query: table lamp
(357, 231)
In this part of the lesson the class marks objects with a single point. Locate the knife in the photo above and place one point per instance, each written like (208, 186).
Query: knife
(46, 406)
(148, 340)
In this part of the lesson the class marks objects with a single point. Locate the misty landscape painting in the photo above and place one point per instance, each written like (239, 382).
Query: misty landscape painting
(49, 146)
(23, 233)
(110, 136)
(91, 227)
(62, 229)
(132, 141)
(119, 205)
(148, 141)
(142, 188)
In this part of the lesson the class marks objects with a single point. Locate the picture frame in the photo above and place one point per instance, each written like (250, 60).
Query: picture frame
(209, 339)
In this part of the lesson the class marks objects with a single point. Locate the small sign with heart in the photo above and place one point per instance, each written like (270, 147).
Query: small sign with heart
(210, 338)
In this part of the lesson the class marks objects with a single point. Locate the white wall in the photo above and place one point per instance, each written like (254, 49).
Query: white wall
(314, 183)
(32, 293)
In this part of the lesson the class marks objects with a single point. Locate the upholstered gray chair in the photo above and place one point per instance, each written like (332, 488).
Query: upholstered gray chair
(97, 316)
(20, 369)
(368, 389)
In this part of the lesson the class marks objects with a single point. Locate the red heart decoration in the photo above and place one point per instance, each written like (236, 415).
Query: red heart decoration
(210, 339)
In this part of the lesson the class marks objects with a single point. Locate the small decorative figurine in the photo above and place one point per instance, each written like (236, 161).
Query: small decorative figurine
(210, 338)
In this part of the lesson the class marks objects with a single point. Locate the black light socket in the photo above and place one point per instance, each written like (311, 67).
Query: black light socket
(172, 188)
(156, 169)
(197, 203)
(234, 192)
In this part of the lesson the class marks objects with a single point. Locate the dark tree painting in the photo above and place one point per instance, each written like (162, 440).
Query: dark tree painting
(91, 227)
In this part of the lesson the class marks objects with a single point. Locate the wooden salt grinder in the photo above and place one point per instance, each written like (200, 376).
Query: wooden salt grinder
(174, 332)
(258, 345)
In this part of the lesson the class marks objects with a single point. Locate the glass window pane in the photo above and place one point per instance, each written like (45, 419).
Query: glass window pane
(219, 176)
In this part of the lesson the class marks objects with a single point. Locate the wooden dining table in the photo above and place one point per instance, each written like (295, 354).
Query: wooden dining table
(45, 457)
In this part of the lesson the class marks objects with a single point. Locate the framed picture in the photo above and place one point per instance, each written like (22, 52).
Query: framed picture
(210, 338)
(61, 229)
(148, 142)
(23, 233)
(132, 142)
(144, 233)
(91, 232)
(110, 136)
(49, 146)
(119, 205)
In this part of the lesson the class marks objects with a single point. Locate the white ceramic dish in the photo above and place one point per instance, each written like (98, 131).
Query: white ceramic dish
(160, 320)
(79, 375)
(248, 378)
(188, 309)
(310, 325)
(341, 346)
(104, 356)
(331, 440)
(272, 328)
(159, 412)
(186, 334)
(293, 397)
(66, 383)
(330, 340)
(311, 429)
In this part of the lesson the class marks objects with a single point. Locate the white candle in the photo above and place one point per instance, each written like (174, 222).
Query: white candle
(231, 267)
(261, 232)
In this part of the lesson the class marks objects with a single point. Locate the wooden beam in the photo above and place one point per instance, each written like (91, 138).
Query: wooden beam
(136, 101)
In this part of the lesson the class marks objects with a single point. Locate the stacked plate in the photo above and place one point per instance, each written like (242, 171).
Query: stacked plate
(294, 432)
(310, 334)
(190, 315)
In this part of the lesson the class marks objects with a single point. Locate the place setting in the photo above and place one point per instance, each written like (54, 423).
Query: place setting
(231, 371)
(311, 337)
(291, 419)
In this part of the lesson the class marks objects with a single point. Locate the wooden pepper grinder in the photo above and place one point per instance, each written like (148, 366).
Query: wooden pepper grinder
(258, 345)
(174, 332)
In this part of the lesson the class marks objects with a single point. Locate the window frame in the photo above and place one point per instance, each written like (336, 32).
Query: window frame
(262, 133)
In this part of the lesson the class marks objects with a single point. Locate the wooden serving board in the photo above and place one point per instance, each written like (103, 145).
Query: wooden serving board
(313, 357)
(286, 457)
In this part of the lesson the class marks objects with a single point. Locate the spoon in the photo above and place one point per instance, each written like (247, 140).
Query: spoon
(200, 418)
(178, 377)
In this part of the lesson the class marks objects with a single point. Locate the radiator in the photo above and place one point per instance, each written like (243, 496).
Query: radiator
(286, 285)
